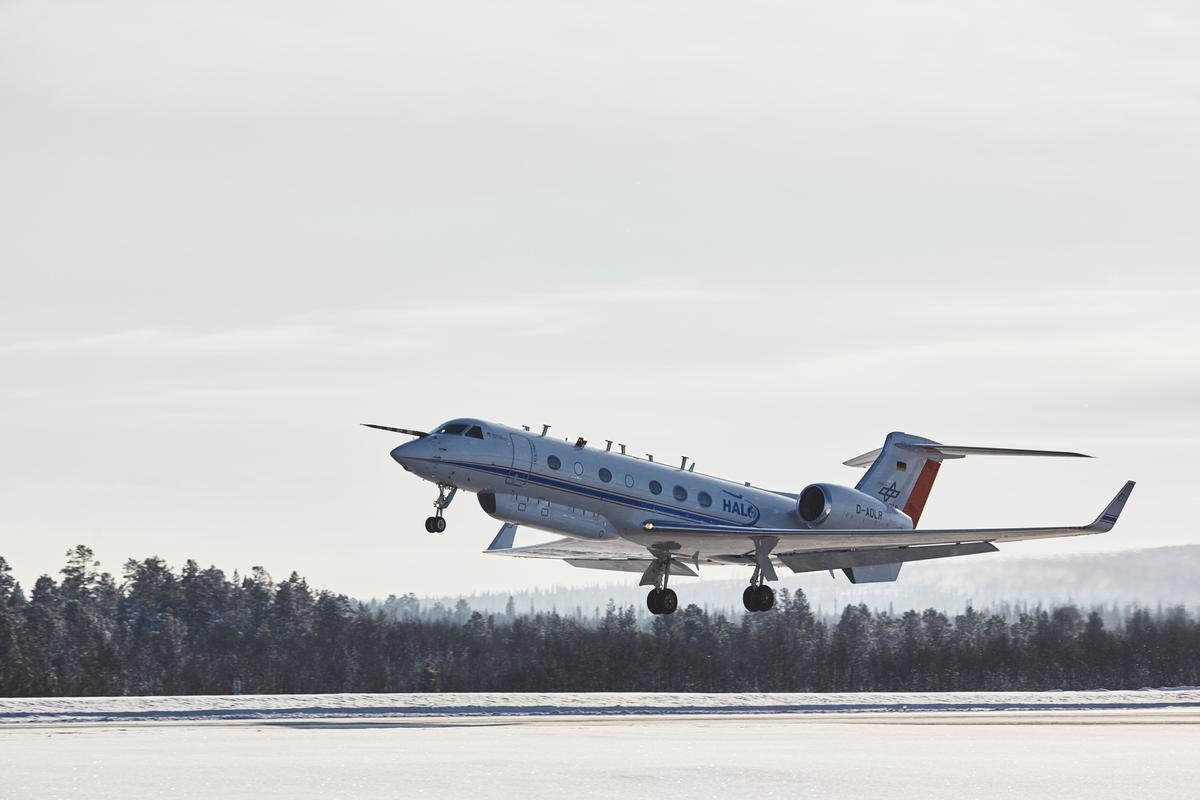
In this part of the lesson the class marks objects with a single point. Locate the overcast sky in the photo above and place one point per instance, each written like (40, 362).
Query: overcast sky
(759, 234)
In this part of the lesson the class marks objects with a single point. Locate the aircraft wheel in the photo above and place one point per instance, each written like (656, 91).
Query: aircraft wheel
(667, 602)
(654, 601)
(765, 597)
(429, 524)
(439, 524)
(750, 598)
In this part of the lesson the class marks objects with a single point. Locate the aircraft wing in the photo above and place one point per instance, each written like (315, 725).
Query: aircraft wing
(725, 541)
(608, 554)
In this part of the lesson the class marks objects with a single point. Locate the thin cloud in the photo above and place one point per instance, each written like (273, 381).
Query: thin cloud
(146, 341)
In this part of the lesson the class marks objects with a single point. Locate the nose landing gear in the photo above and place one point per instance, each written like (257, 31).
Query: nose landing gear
(437, 523)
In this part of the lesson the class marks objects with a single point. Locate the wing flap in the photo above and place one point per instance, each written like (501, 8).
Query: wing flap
(568, 548)
(843, 559)
(628, 565)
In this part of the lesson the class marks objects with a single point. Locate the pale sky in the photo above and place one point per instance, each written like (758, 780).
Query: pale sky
(759, 234)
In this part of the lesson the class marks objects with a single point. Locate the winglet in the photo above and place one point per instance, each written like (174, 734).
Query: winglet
(1108, 517)
(504, 539)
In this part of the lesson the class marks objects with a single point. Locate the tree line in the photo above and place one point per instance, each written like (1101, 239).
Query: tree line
(198, 631)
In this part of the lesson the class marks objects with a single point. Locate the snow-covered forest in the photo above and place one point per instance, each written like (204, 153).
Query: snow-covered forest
(155, 630)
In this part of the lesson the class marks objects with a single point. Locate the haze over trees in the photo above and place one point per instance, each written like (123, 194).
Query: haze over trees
(197, 631)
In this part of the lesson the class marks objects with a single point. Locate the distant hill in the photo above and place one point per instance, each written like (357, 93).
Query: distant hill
(1163, 576)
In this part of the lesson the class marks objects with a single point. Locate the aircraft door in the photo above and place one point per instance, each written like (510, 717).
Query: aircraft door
(522, 461)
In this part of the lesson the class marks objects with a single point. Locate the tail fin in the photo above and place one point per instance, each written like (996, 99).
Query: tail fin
(902, 472)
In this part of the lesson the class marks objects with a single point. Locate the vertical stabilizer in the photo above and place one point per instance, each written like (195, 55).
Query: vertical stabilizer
(900, 477)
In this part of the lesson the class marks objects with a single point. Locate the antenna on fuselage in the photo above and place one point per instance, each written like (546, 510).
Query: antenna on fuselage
(692, 468)
(683, 463)
(622, 449)
(608, 445)
(545, 429)
(526, 427)
(580, 442)
(650, 456)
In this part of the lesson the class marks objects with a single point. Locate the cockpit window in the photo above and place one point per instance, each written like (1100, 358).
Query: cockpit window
(453, 429)
(475, 432)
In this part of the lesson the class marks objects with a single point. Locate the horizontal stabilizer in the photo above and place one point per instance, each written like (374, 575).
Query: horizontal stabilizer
(944, 451)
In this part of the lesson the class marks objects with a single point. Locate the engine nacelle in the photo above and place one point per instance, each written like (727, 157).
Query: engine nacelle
(534, 513)
(827, 505)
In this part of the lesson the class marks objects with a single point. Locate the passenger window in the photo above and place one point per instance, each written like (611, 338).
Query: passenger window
(680, 493)
(629, 481)
(605, 474)
(553, 462)
(655, 487)
(705, 499)
(454, 429)
(578, 468)
(475, 432)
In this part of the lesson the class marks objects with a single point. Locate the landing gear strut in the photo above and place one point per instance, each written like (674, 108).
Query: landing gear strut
(662, 600)
(437, 523)
(758, 596)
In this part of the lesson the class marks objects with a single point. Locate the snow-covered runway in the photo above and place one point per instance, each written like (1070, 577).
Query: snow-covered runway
(1138, 744)
(343, 706)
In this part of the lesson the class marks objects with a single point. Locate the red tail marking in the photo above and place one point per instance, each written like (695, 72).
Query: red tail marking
(920, 492)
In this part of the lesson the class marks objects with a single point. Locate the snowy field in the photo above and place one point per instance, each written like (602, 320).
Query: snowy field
(1094, 745)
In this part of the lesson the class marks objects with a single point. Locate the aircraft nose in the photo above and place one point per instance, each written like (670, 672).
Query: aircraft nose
(402, 455)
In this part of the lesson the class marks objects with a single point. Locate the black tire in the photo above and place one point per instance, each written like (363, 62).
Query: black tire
(429, 524)
(654, 602)
(667, 601)
(766, 598)
(439, 524)
(750, 598)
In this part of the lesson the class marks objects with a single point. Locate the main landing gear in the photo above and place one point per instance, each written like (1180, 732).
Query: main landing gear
(662, 600)
(437, 523)
(758, 596)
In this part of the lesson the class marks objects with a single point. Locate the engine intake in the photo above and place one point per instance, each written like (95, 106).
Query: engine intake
(815, 504)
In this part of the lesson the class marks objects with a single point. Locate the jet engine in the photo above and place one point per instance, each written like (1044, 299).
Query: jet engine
(826, 505)
(534, 513)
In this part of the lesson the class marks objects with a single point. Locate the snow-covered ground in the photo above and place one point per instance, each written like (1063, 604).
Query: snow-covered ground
(382, 706)
(1141, 752)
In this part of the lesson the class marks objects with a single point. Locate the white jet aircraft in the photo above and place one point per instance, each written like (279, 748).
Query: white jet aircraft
(620, 512)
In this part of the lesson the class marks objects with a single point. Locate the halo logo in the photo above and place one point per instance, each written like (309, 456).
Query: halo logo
(739, 506)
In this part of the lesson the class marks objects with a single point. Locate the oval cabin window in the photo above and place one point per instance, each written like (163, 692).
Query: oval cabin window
(705, 499)
(605, 474)
(655, 487)
(553, 463)
(680, 493)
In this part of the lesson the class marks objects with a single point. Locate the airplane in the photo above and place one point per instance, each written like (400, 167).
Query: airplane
(617, 511)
